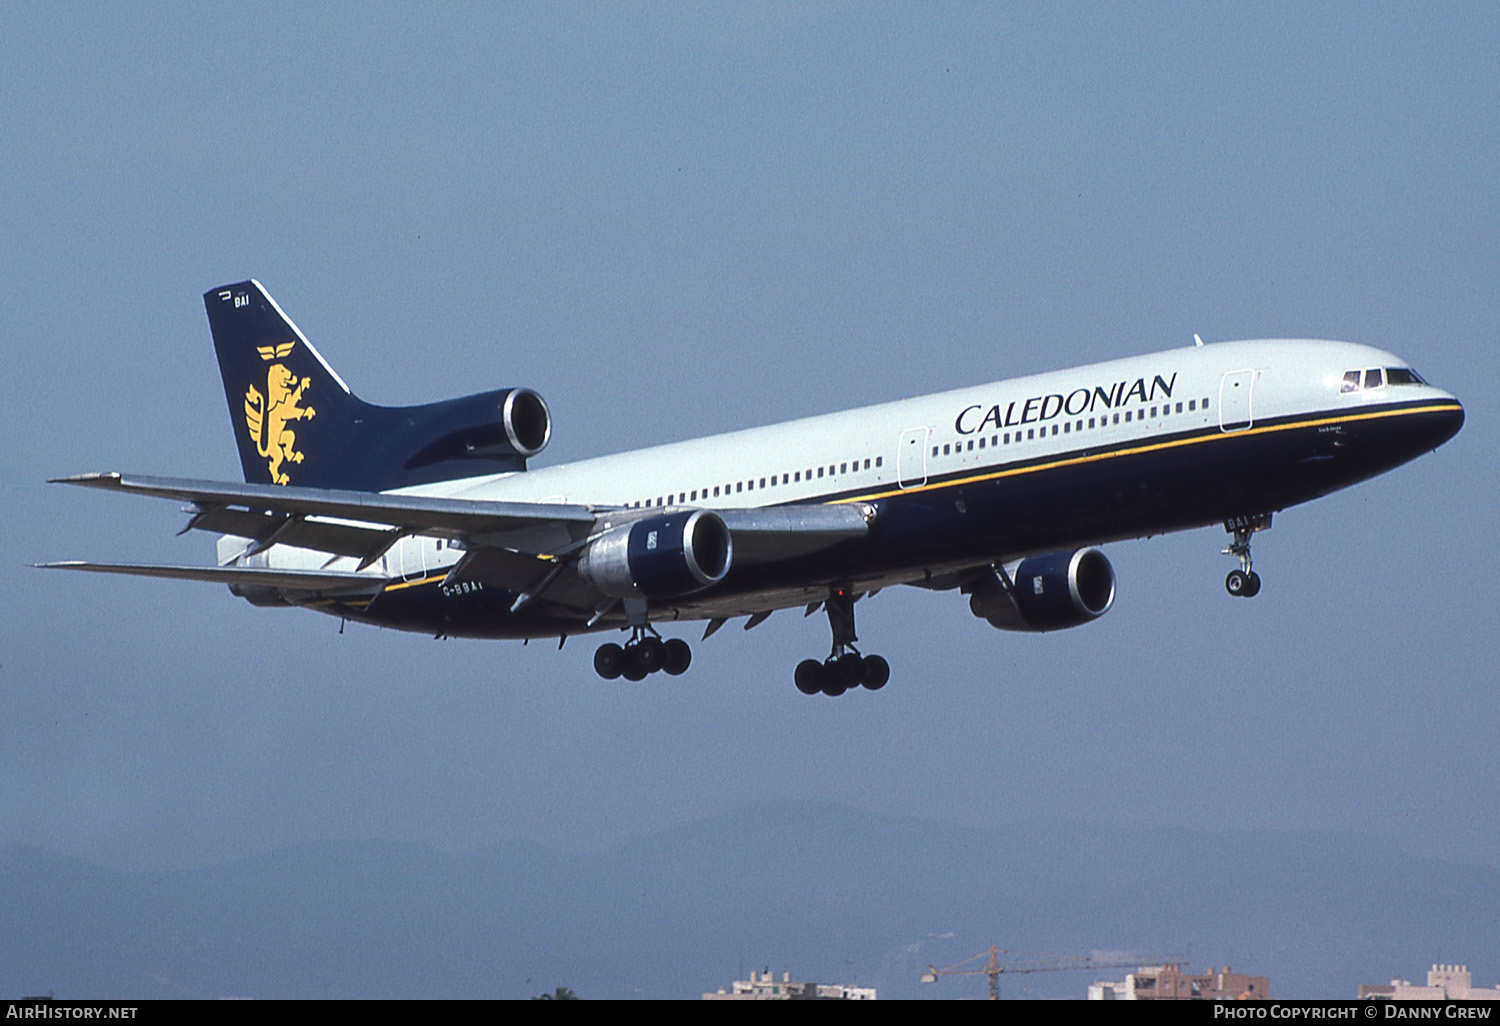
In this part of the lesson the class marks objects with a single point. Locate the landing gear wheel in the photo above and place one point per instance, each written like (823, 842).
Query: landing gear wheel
(650, 653)
(609, 661)
(844, 668)
(1244, 582)
(676, 657)
(633, 670)
(809, 676)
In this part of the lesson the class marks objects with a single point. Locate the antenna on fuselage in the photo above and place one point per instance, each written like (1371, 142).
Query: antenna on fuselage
(1197, 341)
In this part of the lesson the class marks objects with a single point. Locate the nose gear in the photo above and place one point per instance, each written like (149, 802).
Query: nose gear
(1244, 582)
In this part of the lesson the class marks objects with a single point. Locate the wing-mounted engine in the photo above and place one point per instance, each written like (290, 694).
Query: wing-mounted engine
(1046, 593)
(660, 557)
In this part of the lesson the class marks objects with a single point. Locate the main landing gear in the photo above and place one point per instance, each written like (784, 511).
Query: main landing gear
(844, 668)
(1244, 582)
(645, 653)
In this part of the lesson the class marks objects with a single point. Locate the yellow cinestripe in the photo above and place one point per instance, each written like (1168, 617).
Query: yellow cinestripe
(430, 578)
(1072, 461)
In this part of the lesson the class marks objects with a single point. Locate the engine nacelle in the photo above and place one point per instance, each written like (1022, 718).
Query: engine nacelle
(660, 557)
(506, 426)
(1060, 589)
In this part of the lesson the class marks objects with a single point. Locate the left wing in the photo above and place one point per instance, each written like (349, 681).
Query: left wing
(348, 523)
(329, 582)
(522, 546)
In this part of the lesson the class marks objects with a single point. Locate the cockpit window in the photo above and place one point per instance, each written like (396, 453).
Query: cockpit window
(1372, 378)
(1402, 376)
(1351, 382)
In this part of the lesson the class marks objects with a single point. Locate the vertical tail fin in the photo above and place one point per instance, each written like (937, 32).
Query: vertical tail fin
(282, 394)
(296, 422)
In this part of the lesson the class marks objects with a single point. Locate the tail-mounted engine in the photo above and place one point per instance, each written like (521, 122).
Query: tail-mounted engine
(660, 557)
(1046, 593)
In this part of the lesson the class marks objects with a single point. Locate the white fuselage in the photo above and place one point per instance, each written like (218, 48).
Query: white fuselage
(912, 445)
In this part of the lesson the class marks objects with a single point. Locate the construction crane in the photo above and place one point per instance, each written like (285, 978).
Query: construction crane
(993, 967)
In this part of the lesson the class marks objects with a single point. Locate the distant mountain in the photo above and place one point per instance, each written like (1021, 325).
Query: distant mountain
(824, 891)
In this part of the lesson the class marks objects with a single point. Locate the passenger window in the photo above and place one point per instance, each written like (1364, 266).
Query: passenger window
(1067, 429)
(1054, 430)
(1179, 407)
(880, 461)
(867, 464)
(1127, 416)
(1031, 433)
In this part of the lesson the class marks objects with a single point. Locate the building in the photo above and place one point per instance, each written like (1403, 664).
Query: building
(1444, 983)
(764, 986)
(1169, 983)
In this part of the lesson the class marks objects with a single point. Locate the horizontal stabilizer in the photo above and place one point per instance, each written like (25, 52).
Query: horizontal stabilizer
(244, 576)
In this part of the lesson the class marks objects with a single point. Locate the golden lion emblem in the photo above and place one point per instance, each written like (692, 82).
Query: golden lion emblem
(267, 415)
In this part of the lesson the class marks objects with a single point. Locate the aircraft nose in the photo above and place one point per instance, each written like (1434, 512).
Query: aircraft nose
(1445, 421)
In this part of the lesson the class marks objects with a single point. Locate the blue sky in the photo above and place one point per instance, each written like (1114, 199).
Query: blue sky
(672, 220)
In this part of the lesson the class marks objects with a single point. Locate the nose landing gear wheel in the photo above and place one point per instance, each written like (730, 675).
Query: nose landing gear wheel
(1244, 582)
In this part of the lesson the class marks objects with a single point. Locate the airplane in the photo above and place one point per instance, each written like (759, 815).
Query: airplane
(427, 518)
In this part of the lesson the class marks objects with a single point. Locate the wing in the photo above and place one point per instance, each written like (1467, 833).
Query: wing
(326, 582)
(525, 547)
